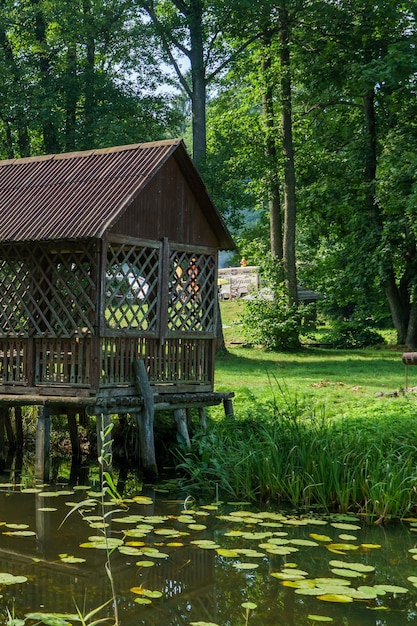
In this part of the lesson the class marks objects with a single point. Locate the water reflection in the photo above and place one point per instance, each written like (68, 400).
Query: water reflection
(198, 583)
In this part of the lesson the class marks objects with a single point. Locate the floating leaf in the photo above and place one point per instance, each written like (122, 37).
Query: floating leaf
(203, 624)
(346, 572)
(303, 542)
(343, 526)
(20, 533)
(142, 601)
(320, 537)
(142, 500)
(371, 546)
(345, 537)
(65, 558)
(357, 567)
(226, 552)
(249, 605)
(341, 547)
(145, 563)
(10, 579)
(335, 597)
(245, 565)
(319, 618)
(391, 589)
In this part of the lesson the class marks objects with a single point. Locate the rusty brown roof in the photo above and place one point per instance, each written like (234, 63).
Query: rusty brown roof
(82, 194)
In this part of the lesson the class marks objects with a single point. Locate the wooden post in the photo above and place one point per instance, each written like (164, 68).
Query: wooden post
(73, 432)
(43, 431)
(203, 417)
(11, 439)
(18, 419)
(3, 412)
(145, 420)
(181, 419)
(228, 407)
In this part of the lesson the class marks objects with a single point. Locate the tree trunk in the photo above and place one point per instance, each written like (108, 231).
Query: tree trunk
(89, 90)
(288, 152)
(399, 312)
(50, 135)
(195, 20)
(274, 199)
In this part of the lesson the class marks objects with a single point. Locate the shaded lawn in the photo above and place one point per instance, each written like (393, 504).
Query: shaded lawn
(338, 380)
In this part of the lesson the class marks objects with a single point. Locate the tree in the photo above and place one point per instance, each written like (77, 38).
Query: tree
(72, 79)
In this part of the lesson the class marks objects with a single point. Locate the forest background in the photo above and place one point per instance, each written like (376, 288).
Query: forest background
(300, 115)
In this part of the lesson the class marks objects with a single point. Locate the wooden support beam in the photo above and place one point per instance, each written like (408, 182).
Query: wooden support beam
(73, 432)
(11, 438)
(18, 419)
(181, 420)
(3, 412)
(43, 430)
(228, 407)
(145, 420)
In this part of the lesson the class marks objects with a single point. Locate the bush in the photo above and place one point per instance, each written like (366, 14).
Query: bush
(352, 334)
(271, 323)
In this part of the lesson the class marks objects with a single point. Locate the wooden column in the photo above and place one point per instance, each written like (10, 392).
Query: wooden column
(18, 419)
(145, 420)
(3, 412)
(73, 432)
(181, 419)
(43, 431)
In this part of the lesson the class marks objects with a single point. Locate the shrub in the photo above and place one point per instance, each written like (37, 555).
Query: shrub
(271, 323)
(352, 334)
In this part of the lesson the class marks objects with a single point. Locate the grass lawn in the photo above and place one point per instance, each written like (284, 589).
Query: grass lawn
(336, 382)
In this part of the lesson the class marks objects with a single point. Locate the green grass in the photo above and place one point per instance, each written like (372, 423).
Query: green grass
(322, 428)
(337, 381)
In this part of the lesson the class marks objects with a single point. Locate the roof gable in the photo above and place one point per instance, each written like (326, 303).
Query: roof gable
(83, 194)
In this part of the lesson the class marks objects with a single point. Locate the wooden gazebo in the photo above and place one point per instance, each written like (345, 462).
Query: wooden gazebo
(108, 281)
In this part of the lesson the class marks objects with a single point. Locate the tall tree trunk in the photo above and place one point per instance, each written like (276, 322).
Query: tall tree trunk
(49, 131)
(89, 88)
(195, 19)
(398, 308)
(274, 199)
(288, 152)
(71, 99)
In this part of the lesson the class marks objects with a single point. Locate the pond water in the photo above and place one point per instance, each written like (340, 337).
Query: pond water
(179, 562)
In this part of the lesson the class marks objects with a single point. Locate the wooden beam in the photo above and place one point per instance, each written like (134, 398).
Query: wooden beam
(145, 420)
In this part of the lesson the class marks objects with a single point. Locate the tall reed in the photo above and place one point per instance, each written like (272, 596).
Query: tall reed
(288, 454)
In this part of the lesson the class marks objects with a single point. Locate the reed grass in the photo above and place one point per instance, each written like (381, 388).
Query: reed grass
(287, 454)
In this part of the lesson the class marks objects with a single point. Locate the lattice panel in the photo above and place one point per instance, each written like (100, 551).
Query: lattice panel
(192, 292)
(132, 282)
(176, 361)
(47, 291)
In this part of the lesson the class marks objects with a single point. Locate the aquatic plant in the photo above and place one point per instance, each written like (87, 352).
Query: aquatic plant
(364, 465)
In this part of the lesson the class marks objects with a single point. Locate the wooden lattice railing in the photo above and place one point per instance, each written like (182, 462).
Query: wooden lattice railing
(63, 322)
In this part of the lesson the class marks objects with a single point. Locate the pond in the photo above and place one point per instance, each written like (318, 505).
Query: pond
(181, 562)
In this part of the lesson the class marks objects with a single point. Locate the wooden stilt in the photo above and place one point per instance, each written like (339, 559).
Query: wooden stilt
(203, 417)
(228, 407)
(73, 431)
(11, 438)
(3, 412)
(18, 419)
(145, 420)
(43, 430)
(181, 419)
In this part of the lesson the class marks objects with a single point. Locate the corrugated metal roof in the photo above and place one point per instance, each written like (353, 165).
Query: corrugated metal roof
(76, 195)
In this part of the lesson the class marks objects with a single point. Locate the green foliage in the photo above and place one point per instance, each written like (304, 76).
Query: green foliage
(268, 319)
(352, 334)
(272, 324)
(284, 453)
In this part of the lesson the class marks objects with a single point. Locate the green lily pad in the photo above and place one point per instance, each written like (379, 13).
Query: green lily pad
(319, 618)
(10, 579)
